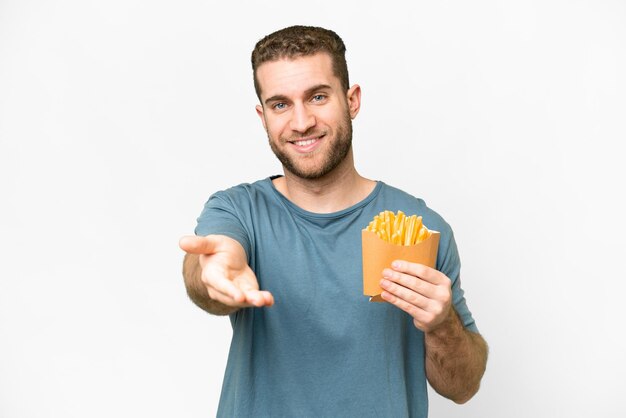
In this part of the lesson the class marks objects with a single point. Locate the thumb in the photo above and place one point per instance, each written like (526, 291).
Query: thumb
(199, 245)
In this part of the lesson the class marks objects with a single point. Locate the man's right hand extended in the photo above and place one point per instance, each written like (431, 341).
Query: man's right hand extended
(225, 272)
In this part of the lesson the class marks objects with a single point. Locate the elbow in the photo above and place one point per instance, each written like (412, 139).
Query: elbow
(463, 392)
(470, 389)
(464, 397)
(460, 380)
(459, 395)
(476, 373)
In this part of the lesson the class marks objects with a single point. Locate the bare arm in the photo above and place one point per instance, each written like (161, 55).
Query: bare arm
(455, 357)
(217, 276)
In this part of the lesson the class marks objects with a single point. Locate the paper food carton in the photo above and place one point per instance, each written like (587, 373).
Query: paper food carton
(378, 255)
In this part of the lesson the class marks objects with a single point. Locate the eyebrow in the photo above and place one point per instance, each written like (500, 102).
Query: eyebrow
(309, 91)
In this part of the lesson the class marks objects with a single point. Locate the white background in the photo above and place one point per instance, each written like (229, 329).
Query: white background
(118, 119)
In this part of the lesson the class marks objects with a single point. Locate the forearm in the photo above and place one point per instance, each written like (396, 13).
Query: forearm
(197, 291)
(455, 359)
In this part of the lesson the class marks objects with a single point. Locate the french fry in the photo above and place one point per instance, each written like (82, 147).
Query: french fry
(408, 235)
(398, 228)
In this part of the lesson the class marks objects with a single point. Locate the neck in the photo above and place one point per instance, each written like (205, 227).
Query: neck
(338, 190)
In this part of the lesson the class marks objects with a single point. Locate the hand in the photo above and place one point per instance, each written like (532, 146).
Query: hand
(421, 291)
(225, 271)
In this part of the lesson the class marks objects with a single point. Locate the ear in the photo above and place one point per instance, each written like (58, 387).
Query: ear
(259, 111)
(354, 100)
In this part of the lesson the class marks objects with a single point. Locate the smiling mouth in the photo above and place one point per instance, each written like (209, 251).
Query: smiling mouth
(307, 141)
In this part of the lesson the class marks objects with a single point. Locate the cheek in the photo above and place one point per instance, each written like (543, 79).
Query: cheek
(332, 116)
(272, 123)
(273, 131)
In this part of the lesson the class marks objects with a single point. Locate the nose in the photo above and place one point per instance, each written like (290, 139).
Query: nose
(302, 119)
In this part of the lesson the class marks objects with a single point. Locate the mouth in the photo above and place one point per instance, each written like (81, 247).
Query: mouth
(307, 144)
(304, 142)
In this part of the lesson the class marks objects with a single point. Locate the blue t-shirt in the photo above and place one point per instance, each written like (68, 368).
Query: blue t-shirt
(323, 350)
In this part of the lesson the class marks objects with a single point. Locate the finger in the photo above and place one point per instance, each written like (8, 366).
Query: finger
(269, 298)
(254, 296)
(405, 294)
(259, 298)
(401, 303)
(225, 299)
(227, 292)
(198, 245)
(217, 280)
(422, 319)
(418, 270)
(408, 281)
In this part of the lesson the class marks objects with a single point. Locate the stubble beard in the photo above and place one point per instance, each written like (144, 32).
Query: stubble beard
(338, 153)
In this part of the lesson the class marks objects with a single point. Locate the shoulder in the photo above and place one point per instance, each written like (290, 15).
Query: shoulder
(242, 202)
(245, 192)
(233, 211)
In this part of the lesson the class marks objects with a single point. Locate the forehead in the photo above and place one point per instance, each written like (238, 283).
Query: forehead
(288, 77)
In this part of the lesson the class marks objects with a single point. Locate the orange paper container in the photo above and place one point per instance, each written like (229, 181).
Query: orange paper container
(378, 255)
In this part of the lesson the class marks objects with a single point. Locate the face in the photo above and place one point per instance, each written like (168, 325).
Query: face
(306, 114)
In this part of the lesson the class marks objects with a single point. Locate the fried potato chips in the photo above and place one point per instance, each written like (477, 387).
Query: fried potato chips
(398, 228)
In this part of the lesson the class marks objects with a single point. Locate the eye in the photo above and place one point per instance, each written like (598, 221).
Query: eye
(318, 98)
(279, 106)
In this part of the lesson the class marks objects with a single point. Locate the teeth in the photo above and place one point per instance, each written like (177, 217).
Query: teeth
(305, 143)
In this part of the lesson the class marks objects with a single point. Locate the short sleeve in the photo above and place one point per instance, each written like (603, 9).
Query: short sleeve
(449, 263)
(220, 217)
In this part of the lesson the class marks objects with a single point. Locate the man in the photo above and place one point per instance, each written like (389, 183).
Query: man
(282, 257)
